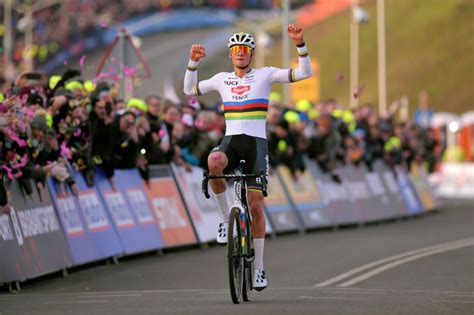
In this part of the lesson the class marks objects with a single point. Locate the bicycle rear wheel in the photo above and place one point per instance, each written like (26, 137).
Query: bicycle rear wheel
(235, 258)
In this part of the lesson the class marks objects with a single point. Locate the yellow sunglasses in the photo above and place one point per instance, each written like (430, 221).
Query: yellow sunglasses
(245, 50)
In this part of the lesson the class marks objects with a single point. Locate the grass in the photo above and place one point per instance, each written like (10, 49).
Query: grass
(429, 45)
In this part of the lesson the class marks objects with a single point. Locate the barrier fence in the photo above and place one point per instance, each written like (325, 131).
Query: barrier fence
(52, 230)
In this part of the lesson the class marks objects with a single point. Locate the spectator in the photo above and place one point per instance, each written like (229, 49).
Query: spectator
(424, 114)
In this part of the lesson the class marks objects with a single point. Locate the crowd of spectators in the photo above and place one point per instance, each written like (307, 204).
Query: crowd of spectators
(333, 136)
(50, 126)
(59, 25)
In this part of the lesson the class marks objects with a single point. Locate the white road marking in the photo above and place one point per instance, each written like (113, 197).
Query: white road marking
(462, 295)
(225, 291)
(108, 295)
(449, 301)
(396, 263)
(353, 292)
(330, 298)
(383, 261)
(202, 298)
(77, 302)
(354, 289)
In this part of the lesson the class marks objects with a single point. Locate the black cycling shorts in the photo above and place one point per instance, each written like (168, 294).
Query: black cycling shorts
(251, 149)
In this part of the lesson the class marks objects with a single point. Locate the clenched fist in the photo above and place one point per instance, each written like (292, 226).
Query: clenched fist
(197, 52)
(295, 33)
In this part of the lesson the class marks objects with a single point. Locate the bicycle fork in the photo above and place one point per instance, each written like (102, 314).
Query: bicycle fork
(243, 233)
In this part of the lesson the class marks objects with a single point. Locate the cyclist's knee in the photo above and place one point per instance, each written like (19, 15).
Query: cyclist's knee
(256, 202)
(217, 161)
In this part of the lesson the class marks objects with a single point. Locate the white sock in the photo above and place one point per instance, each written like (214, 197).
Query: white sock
(223, 204)
(258, 245)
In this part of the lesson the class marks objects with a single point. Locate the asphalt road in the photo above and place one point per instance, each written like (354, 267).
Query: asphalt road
(423, 265)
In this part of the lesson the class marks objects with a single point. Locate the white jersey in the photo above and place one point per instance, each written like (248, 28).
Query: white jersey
(246, 99)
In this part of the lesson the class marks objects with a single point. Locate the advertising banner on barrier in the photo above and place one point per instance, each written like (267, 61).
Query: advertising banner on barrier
(82, 241)
(391, 187)
(422, 187)
(204, 212)
(279, 208)
(11, 258)
(336, 196)
(455, 180)
(361, 196)
(306, 197)
(37, 232)
(168, 208)
(380, 196)
(130, 211)
(408, 192)
(86, 223)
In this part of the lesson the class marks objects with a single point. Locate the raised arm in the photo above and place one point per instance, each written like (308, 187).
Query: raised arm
(304, 69)
(191, 84)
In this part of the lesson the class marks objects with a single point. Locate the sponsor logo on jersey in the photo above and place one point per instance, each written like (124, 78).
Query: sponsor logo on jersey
(240, 97)
(249, 79)
(241, 89)
(226, 82)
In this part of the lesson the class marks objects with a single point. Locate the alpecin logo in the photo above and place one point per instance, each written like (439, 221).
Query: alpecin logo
(241, 89)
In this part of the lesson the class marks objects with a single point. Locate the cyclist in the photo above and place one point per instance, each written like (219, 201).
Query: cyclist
(244, 93)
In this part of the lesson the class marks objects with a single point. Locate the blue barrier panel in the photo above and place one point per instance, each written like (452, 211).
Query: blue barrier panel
(81, 240)
(361, 197)
(97, 222)
(408, 192)
(306, 198)
(380, 199)
(336, 196)
(392, 189)
(130, 211)
(280, 210)
(422, 187)
(37, 234)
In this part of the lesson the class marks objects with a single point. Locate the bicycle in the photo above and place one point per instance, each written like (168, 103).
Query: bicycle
(240, 251)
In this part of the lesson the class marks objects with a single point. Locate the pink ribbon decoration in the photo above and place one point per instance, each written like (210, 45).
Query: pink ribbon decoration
(10, 174)
(82, 60)
(65, 151)
(77, 133)
(15, 137)
(28, 112)
(20, 164)
(129, 71)
(162, 133)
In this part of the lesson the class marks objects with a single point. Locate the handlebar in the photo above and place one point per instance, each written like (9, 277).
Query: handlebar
(207, 177)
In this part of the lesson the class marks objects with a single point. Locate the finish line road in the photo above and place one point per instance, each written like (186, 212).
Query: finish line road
(423, 265)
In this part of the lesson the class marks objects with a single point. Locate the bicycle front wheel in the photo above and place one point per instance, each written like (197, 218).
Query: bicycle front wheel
(235, 258)
(248, 264)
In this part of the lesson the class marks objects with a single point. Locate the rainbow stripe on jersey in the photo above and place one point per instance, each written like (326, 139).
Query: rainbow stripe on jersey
(255, 109)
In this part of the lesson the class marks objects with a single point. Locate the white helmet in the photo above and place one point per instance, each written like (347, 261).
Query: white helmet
(241, 39)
